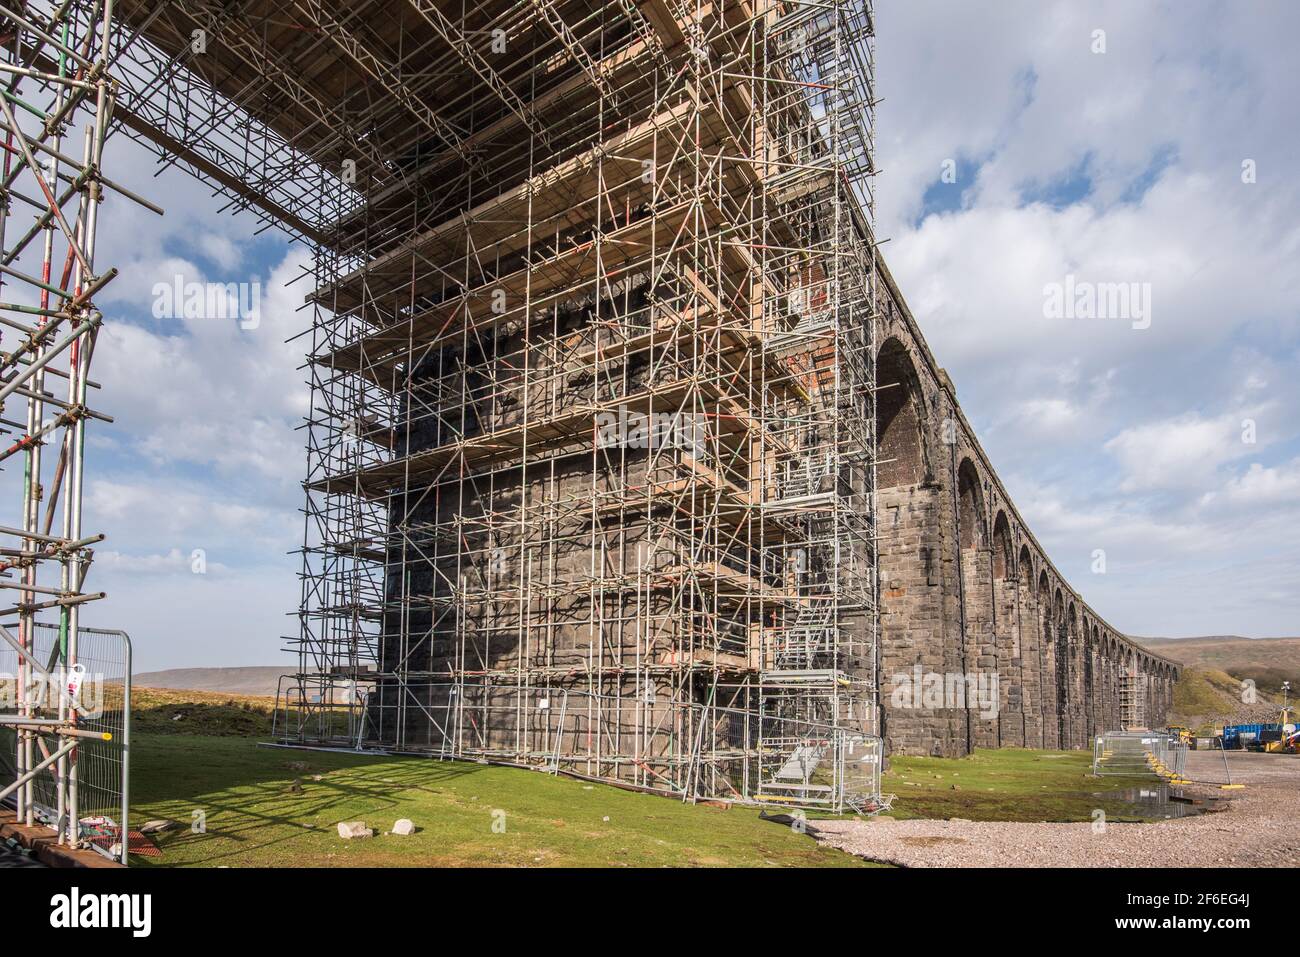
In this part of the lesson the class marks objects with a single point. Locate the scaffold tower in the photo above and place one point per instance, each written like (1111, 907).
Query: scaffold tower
(56, 108)
(591, 474)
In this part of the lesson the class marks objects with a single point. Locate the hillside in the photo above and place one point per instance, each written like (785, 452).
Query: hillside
(1205, 698)
(1267, 661)
(169, 711)
(257, 680)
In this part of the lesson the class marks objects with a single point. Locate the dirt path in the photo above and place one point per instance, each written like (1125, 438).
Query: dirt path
(1260, 828)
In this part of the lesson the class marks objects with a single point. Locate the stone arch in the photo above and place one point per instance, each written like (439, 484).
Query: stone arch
(970, 498)
(1048, 615)
(968, 586)
(1060, 628)
(900, 417)
(1092, 677)
(1003, 588)
(979, 648)
(1003, 559)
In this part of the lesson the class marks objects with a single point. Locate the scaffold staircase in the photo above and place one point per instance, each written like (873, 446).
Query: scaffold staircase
(810, 639)
(805, 477)
(803, 762)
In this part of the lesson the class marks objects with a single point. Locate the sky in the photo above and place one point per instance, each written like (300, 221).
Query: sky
(1072, 156)
(1113, 142)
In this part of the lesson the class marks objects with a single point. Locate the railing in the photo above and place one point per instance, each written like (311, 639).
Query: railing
(821, 766)
(1136, 753)
(94, 776)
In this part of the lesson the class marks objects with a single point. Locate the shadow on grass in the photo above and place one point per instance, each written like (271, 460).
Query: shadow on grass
(279, 807)
(258, 797)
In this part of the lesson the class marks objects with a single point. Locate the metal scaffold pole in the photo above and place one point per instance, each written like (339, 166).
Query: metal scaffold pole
(56, 107)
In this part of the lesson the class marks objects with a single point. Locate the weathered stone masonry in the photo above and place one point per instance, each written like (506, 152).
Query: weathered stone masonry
(966, 589)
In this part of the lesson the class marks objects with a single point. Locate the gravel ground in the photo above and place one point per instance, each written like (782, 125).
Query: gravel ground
(1260, 828)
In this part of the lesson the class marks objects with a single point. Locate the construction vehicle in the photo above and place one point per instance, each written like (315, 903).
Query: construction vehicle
(1287, 737)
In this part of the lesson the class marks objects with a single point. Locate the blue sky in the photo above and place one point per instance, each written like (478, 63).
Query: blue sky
(1122, 166)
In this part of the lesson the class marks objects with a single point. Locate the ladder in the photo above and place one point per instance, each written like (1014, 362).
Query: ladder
(803, 762)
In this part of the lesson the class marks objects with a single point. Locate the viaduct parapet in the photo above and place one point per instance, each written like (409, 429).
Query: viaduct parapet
(966, 589)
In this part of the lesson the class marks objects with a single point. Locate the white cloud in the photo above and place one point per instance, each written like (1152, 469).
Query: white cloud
(1046, 415)
(1180, 452)
(169, 563)
(1260, 487)
(186, 620)
(1109, 436)
(207, 392)
(163, 512)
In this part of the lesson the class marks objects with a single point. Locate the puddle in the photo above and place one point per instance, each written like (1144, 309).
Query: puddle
(1159, 801)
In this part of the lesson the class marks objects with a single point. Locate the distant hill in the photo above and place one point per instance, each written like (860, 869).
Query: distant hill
(257, 680)
(1267, 661)
(1206, 698)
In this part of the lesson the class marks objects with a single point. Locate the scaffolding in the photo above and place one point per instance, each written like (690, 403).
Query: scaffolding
(1132, 700)
(590, 472)
(55, 111)
(590, 477)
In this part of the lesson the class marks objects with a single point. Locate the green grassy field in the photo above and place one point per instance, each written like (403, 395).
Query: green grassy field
(257, 816)
(194, 751)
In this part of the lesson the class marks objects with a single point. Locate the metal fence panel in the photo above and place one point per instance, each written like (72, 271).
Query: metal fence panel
(1135, 753)
(102, 777)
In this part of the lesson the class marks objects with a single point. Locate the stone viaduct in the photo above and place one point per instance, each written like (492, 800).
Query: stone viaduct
(966, 589)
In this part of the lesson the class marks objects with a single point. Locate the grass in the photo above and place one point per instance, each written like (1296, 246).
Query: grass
(264, 807)
(166, 712)
(1203, 691)
(195, 751)
(1011, 784)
